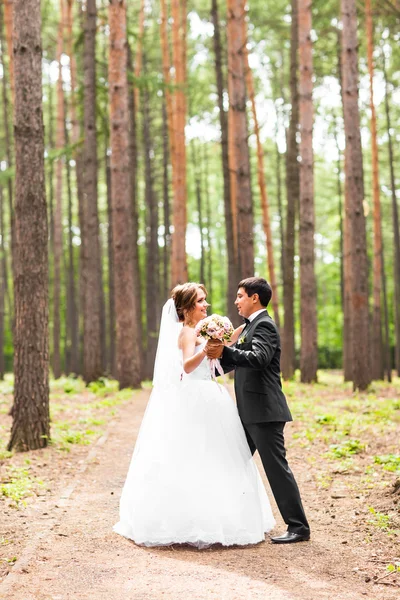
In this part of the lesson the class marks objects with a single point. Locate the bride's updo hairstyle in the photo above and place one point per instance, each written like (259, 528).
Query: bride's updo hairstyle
(185, 297)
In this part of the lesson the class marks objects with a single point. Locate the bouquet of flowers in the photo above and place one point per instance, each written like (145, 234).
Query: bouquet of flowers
(215, 327)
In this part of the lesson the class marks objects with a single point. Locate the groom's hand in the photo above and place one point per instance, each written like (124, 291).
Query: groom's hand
(214, 349)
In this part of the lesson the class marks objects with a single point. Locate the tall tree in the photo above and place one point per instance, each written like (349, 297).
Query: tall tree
(133, 100)
(237, 100)
(31, 426)
(2, 286)
(376, 340)
(9, 22)
(7, 111)
(396, 229)
(266, 221)
(152, 262)
(126, 301)
(355, 188)
(166, 203)
(308, 286)
(179, 272)
(347, 336)
(233, 277)
(58, 228)
(91, 267)
(293, 192)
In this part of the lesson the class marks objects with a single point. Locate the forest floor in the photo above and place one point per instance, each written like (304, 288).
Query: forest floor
(58, 505)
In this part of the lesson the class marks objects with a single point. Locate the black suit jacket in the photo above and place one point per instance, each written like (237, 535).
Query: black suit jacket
(256, 360)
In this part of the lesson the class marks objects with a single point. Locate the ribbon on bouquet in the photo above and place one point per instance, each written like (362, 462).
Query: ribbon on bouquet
(215, 365)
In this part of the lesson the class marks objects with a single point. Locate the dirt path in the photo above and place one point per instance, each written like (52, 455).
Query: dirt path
(73, 553)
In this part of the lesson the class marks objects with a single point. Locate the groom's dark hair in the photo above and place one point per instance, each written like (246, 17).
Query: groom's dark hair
(257, 285)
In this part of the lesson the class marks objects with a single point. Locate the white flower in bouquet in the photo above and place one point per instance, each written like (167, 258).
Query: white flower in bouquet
(215, 327)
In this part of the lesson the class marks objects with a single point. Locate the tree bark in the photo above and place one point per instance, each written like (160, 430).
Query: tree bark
(133, 99)
(377, 355)
(179, 272)
(6, 118)
(196, 160)
(355, 187)
(152, 260)
(91, 267)
(293, 194)
(77, 154)
(266, 221)
(71, 345)
(31, 423)
(166, 205)
(2, 285)
(9, 22)
(126, 300)
(396, 229)
(233, 276)
(308, 286)
(58, 229)
(237, 99)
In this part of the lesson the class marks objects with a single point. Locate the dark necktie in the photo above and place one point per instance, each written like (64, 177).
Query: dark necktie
(247, 321)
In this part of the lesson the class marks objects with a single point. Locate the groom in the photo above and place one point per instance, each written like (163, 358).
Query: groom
(261, 403)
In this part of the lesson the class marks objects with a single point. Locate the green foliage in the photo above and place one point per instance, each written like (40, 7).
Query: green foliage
(380, 520)
(19, 484)
(346, 449)
(390, 462)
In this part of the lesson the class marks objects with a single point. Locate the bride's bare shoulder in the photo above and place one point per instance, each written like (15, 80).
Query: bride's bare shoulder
(187, 334)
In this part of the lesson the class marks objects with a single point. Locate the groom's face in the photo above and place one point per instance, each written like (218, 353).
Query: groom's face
(244, 303)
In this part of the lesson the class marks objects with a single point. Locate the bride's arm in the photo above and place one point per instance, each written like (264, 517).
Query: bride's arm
(188, 344)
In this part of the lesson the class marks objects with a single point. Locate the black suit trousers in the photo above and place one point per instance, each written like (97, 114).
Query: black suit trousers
(268, 439)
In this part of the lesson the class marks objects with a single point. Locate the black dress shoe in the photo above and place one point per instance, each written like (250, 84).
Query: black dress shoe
(290, 538)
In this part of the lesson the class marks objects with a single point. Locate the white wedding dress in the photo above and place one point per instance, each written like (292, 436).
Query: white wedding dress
(192, 478)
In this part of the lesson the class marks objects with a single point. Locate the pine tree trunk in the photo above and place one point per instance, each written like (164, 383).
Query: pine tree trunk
(244, 201)
(196, 161)
(355, 189)
(233, 275)
(2, 285)
(377, 354)
(133, 100)
(50, 141)
(77, 154)
(30, 427)
(346, 292)
(111, 288)
(308, 286)
(152, 261)
(6, 119)
(208, 225)
(58, 229)
(126, 301)
(8, 23)
(166, 204)
(71, 346)
(266, 221)
(293, 193)
(230, 34)
(91, 267)
(280, 207)
(396, 230)
(179, 272)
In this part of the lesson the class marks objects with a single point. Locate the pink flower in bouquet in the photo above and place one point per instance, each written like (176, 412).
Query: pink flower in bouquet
(215, 327)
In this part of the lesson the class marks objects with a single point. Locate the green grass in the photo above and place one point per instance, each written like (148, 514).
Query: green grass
(19, 484)
(380, 520)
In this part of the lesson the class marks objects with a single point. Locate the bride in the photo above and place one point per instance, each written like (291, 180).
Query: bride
(192, 478)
